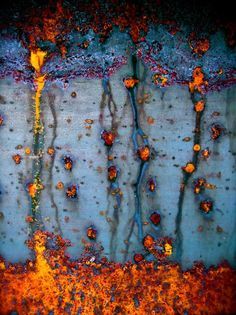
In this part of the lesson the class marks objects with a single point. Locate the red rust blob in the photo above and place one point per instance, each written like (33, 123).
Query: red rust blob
(144, 153)
(17, 158)
(68, 163)
(72, 192)
(155, 218)
(130, 82)
(91, 233)
(206, 206)
(108, 137)
(112, 173)
(138, 258)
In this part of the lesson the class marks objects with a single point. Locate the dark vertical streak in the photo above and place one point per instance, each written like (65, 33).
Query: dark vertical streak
(137, 131)
(38, 145)
(51, 102)
(186, 176)
(112, 107)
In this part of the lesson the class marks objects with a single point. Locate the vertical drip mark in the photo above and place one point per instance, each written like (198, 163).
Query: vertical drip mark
(196, 88)
(37, 60)
(142, 151)
(113, 171)
(50, 177)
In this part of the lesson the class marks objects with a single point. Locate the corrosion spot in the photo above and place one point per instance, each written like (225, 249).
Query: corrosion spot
(73, 94)
(91, 233)
(50, 151)
(216, 131)
(196, 147)
(17, 158)
(130, 82)
(108, 137)
(138, 258)
(206, 206)
(112, 173)
(206, 153)
(151, 184)
(148, 242)
(27, 150)
(199, 106)
(144, 153)
(72, 191)
(155, 218)
(189, 168)
(68, 163)
(60, 185)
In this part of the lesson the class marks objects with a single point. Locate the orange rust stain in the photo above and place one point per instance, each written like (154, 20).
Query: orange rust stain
(53, 283)
(196, 147)
(50, 151)
(108, 137)
(112, 173)
(199, 106)
(206, 206)
(160, 79)
(130, 82)
(34, 188)
(37, 58)
(27, 151)
(17, 158)
(198, 83)
(91, 233)
(150, 120)
(189, 168)
(60, 185)
(144, 153)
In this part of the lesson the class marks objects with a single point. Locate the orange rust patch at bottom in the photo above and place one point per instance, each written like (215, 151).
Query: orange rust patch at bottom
(54, 283)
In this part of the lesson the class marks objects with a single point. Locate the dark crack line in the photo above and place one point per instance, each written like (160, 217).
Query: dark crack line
(137, 131)
(186, 177)
(112, 107)
(51, 102)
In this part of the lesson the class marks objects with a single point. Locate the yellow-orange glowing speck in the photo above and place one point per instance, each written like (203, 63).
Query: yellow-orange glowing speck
(130, 82)
(37, 60)
(206, 206)
(198, 83)
(51, 151)
(189, 168)
(32, 189)
(144, 153)
(17, 158)
(91, 233)
(199, 106)
(160, 79)
(206, 153)
(196, 147)
(27, 151)
(60, 185)
(168, 249)
(148, 242)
